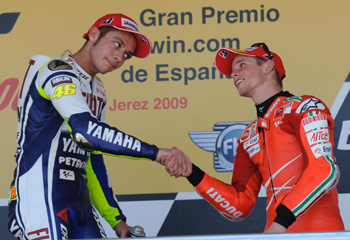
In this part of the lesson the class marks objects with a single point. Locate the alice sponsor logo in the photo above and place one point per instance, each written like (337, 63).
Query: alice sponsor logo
(321, 135)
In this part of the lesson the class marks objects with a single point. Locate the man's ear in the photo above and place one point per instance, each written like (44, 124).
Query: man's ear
(269, 66)
(94, 34)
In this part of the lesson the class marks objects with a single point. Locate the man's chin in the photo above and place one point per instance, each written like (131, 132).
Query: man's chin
(107, 71)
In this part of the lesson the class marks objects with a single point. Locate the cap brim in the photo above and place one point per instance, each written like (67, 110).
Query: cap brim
(143, 48)
(223, 60)
(143, 45)
(225, 56)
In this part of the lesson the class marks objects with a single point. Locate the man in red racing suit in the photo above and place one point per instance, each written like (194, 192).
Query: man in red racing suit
(288, 150)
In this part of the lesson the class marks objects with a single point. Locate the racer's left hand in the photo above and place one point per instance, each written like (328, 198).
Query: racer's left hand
(276, 228)
(122, 229)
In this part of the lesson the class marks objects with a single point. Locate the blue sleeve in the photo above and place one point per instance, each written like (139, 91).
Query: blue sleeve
(100, 138)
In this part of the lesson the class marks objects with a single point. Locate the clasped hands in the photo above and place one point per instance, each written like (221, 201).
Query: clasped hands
(177, 163)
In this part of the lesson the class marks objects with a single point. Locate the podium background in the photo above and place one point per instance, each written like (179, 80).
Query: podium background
(311, 37)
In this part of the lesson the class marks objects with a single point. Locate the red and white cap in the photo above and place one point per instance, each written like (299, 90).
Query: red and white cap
(225, 56)
(124, 23)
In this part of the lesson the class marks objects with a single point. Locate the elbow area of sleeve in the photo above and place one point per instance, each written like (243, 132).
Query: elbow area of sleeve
(285, 217)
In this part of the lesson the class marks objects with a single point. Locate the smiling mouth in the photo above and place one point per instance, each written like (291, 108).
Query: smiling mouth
(238, 82)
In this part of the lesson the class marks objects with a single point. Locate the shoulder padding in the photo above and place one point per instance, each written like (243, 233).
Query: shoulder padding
(59, 64)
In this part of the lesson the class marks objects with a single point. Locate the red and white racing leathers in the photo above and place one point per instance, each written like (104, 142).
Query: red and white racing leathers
(288, 151)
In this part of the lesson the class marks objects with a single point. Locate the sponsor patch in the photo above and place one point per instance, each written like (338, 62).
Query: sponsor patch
(129, 24)
(298, 99)
(251, 141)
(314, 122)
(101, 91)
(253, 150)
(273, 107)
(16, 230)
(143, 40)
(318, 136)
(107, 21)
(113, 136)
(67, 175)
(310, 104)
(279, 113)
(265, 123)
(230, 211)
(63, 214)
(248, 132)
(60, 80)
(42, 233)
(223, 54)
(249, 49)
(278, 122)
(64, 232)
(99, 224)
(322, 149)
(13, 194)
(82, 75)
(252, 130)
(245, 135)
(288, 107)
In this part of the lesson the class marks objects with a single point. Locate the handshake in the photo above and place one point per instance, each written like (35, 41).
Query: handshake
(177, 164)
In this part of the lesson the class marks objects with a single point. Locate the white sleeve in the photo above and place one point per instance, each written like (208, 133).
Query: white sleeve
(58, 83)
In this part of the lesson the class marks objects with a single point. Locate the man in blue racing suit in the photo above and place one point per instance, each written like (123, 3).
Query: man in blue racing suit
(60, 173)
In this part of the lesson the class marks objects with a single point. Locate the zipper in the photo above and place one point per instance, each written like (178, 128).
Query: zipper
(268, 163)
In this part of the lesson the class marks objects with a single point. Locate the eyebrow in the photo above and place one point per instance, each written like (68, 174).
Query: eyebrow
(239, 61)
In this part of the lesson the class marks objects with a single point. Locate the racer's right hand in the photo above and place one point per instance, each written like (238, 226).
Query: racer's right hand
(176, 162)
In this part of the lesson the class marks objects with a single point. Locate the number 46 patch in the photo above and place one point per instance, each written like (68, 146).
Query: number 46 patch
(64, 90)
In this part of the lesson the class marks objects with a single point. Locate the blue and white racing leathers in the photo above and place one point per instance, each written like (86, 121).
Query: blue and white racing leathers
(60, 171)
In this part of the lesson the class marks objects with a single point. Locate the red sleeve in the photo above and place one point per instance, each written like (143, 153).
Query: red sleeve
(235, 201)
(313, 123)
